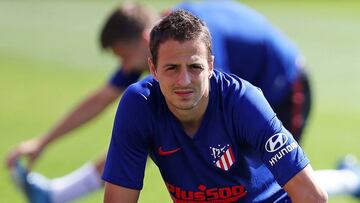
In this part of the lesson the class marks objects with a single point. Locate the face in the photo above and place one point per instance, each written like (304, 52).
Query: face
(183, 71)
(133, 55)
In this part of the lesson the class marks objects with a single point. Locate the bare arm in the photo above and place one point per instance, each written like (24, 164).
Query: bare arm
(118, 194)
(304, 188)
(84, 112)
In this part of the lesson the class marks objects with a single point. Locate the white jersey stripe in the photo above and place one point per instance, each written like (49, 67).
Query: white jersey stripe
(218, 164)
(224, 163)
(229, 158)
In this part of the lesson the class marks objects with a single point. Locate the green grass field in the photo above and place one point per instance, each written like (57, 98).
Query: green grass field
(50, 59)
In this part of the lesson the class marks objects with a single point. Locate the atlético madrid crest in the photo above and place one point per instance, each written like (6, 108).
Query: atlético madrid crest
(223, 156)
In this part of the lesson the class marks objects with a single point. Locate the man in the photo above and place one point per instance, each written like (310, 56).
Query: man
(130, 45)
(213, 136)
(255, 50)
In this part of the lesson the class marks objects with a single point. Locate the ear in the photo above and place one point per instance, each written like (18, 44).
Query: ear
(152, 68)
(211, 66)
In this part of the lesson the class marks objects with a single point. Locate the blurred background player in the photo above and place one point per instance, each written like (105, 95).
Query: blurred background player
(126, 34)
(253, 50)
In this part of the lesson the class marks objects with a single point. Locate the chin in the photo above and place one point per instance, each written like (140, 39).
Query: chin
(185, 108)
(185, 105)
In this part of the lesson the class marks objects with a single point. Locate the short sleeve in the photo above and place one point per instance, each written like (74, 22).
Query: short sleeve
(122, 80)
(127, 154)
(263, 131)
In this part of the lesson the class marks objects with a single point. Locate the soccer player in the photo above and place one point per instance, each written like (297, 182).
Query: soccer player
(126, 33)
(213, 136)
(253, 50)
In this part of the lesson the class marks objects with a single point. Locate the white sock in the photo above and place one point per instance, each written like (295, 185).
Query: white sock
(338, 182)
(76, 184)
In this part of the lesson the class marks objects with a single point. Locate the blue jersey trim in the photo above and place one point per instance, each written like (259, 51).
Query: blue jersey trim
(122, 182)
(282, 180)
(122, 80)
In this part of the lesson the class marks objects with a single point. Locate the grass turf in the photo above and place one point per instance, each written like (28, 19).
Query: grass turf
(50, 59)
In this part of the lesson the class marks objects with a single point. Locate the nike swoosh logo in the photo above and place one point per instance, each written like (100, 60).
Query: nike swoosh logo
(165, 153)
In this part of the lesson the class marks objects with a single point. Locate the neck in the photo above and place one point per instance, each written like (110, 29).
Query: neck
(191, 119)
(192, 127)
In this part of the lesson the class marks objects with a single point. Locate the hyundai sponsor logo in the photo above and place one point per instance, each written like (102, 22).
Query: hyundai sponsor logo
(280, 154)
(275, 142)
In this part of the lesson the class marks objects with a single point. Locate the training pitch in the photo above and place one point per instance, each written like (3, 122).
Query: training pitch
(50, 59)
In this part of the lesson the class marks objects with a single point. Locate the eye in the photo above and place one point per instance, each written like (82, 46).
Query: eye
(170, 67)
(196, 66)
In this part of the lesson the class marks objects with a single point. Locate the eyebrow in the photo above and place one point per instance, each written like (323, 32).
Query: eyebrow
(170, 64)
(190, 64)
(196, 63)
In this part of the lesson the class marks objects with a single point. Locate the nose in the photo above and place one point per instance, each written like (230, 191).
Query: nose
(184, 78)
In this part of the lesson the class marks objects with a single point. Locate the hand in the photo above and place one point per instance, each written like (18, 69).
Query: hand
(30, 148)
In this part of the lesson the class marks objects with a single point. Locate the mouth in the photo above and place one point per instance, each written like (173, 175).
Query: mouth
(184, 93)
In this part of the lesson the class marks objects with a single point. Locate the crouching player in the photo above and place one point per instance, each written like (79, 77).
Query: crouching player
(213, 136)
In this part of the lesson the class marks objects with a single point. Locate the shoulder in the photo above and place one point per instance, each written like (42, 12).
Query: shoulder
(140, 96)
(241, 98)
(232, 87)
(138, 103)
(141, 90)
